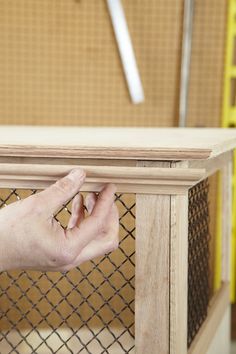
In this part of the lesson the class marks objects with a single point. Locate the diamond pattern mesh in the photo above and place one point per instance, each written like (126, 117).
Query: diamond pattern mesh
(198, 257)
(91, 309)
(87, 310)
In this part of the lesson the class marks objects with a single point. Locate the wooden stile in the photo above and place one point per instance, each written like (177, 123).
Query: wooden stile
(159, 166)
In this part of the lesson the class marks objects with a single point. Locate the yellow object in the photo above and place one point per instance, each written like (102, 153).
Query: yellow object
(229, 120)
(229, 109)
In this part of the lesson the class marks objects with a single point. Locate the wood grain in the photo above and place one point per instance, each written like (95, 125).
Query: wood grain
(116, 143)
(178, 274)
(130, 179)
(211, 165)
(152, 274)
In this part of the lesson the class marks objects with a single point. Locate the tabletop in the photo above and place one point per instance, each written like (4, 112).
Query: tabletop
(116, 143)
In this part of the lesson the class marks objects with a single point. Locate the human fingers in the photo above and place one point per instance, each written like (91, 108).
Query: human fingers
(77, 211)
(103, 244)
(96, 223)
(104, 201)
(61, 192)
(90, 202)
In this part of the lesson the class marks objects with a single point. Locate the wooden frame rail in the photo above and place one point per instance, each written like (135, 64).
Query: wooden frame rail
(217, 308)
(128, 179)
(161, 256)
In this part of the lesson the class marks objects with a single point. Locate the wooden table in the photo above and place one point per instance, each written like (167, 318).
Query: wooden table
(166, 172)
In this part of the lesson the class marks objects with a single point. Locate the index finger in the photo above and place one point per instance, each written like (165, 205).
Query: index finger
(104, 201)
(94, 224)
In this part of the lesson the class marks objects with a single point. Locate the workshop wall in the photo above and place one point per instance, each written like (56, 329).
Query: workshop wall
(59, 63)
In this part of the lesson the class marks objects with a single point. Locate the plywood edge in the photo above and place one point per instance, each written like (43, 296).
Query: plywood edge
(213, 164)
(105, 152)
(116, 143)
(217, 308)
(222, 147)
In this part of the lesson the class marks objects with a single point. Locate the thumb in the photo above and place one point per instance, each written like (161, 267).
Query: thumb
(62, 191)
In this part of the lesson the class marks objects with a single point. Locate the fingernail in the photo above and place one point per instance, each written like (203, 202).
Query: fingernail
(77, 173)
(76, 204)
(89, 206)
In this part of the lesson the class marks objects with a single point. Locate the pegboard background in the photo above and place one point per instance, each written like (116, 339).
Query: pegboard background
(59, 63)
(207, 65)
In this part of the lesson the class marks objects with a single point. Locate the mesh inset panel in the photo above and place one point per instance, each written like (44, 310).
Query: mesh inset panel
(87, 310)
(198, 257)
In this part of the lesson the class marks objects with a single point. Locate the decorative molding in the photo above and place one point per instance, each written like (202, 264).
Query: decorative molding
(128, 179)
(212, 165)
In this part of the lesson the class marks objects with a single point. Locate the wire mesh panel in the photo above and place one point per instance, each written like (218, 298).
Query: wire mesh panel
(87, 310)
(198, 257)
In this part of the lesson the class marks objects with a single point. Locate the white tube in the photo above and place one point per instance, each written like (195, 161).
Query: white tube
(126, 50)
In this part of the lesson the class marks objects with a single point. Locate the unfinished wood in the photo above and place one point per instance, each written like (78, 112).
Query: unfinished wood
(116, 143)
(217, 308)
(226, 220)
(131, 173)
(212, 165)
(213, 209)
(37, 175)
(162, 189)
(221, 341)
(67, 161)
(152, 274)
(178, 273)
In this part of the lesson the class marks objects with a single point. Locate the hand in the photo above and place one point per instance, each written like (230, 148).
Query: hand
(30, 238)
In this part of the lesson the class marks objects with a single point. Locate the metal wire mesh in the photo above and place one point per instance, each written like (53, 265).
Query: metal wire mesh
(198, 257)
(87, 310)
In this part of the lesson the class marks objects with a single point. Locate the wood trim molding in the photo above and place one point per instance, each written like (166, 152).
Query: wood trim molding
(179, 274)
(217, 308)
(212, 165)
(128, 179)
